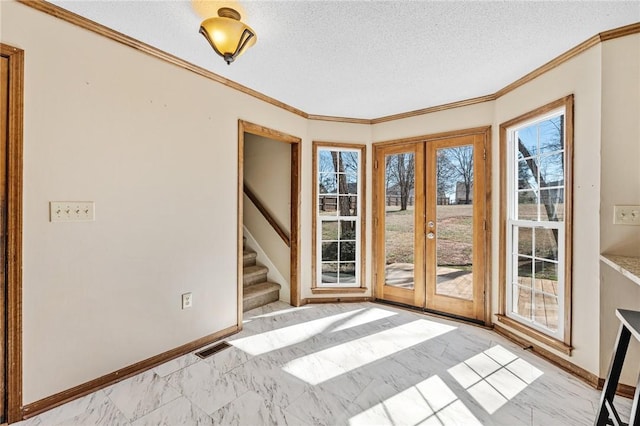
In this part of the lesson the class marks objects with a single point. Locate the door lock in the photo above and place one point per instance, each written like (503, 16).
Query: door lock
(431, 235)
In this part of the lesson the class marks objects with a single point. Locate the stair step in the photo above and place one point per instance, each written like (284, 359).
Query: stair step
(260, 294)
(249, 257)
(254, 274)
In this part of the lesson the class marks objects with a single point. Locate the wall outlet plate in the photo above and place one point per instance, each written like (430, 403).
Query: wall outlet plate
(71, 211)
(187, 300)
(626, 215)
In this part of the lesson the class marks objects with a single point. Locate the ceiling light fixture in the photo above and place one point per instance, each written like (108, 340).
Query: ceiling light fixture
(228, 36)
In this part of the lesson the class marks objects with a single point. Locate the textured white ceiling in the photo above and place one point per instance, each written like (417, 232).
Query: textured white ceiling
(368, 59)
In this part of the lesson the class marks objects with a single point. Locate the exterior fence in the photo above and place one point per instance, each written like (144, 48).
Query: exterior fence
(329, 203)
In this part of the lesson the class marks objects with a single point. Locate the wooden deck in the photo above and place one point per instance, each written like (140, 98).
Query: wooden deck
(459, 283)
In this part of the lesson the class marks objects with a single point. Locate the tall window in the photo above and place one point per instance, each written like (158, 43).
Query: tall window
(537, 268)
(338, 218)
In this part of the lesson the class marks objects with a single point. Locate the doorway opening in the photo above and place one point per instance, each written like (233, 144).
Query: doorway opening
(253, 147)
(431, 217)
(11, 102)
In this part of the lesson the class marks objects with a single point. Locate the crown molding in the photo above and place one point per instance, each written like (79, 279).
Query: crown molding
(339, 119)
(620, 32)
(423, 111)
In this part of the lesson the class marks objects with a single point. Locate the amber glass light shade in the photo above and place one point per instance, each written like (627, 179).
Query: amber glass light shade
(228, 36)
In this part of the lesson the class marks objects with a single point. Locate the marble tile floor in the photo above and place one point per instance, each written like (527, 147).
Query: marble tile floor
(345, 364)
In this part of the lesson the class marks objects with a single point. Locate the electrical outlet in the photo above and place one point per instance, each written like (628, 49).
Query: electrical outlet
(71, 211)
(626, 215)
(187, 300)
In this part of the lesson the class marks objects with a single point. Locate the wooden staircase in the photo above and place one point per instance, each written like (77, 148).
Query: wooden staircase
(257, 290)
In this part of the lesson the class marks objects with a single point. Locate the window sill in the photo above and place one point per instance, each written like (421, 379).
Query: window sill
(338, 290)
(536, 335)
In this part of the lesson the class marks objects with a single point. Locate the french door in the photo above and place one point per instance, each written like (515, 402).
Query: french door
(429, 219)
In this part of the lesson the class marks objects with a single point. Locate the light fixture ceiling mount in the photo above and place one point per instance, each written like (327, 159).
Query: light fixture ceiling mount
(228, 36)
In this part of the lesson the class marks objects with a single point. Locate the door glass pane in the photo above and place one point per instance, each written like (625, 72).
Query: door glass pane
(399, 219)
(454, 222)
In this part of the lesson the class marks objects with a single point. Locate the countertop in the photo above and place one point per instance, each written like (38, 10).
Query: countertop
(628, 266)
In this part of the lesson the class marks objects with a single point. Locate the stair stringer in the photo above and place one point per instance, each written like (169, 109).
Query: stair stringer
(273, 275)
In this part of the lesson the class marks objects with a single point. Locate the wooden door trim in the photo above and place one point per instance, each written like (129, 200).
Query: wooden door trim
(296, 157)
(14, 231)
(435, 136)
(488, 184)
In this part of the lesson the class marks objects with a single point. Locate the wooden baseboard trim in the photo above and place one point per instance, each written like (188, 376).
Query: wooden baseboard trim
(579, 372)
(63, 397)
(622, 390)
(310, 300)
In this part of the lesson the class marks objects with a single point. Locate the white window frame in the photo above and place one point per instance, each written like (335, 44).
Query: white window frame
(319, 219)
(512, 222)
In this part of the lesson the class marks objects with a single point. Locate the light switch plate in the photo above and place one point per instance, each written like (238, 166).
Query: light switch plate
(71, 211)
(626, 215)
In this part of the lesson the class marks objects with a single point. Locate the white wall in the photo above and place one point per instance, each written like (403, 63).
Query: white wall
(138, 136)
(467, 117)
(620, 177)
(620, 184)
(267, 172)
(107, 123)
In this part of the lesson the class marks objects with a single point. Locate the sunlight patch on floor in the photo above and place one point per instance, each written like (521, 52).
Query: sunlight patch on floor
(364, 317)
(430, 402)
(326, 364)
(494, 377)
(286, 336)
